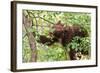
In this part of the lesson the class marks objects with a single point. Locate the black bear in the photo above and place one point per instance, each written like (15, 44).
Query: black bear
(63, 34)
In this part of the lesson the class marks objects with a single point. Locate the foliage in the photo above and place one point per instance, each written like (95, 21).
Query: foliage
(42, 25)
(80, 44)
(51, 53)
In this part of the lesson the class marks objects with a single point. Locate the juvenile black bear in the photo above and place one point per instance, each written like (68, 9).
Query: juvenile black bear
(63, 34)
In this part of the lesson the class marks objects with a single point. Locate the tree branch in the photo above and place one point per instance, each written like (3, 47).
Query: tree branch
(41, 18)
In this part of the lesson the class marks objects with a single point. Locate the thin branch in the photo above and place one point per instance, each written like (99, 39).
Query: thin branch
(45, 20)
(24, 35)
(42, 18)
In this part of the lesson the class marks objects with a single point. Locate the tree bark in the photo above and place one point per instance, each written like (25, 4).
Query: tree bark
(27, 21)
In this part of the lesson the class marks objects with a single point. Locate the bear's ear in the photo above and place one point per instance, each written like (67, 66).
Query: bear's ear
(58, 25)
(59, 22)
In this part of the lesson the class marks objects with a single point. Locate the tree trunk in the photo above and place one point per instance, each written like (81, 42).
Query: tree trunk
(27, 21)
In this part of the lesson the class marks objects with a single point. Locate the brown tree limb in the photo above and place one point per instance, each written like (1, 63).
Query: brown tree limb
(27, 21)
